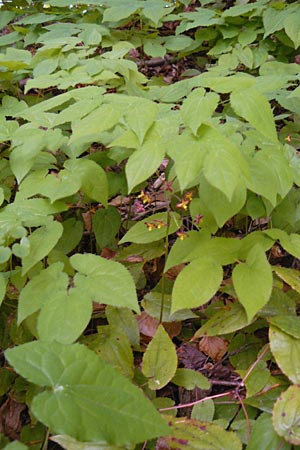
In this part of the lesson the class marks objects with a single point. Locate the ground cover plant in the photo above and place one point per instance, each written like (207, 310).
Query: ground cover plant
(149, 224)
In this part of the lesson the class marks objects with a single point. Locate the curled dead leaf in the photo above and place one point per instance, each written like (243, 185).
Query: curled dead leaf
(214, 347)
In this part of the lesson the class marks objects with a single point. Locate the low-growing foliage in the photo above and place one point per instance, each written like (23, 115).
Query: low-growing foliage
(149, 224)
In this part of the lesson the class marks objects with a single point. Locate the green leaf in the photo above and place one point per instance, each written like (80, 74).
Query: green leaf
(257, 380)
(41, 243)
(221, 170)
(188, 155)
(141, 116)
(64, 317)
(89, 128)
(196, 435)
(72, 234)
(253, 281)
(292, 28)
(105, 225)
(15, 445)
(289, 324)
(3, 283)
(289, 276)
(40, 290)
(152, 305)
(104, 281)
(286, 351)
(198, 108)
(112, 344)
(263, 435)
(190, 379)
(117, 13)
(159, 360)
(124, 319)
(204, 410)
(286, 415)
(255, 108)
(227, 320)
(214, 201)
(88, 387)
(143, 233)
(196, 284)
(69, 443)
(144, 162)
(92, 177)
(290, 243)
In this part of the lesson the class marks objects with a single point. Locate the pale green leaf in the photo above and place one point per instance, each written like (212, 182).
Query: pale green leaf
(253, 281)
(92, 178)
(152, 304)
(159, 360)
(64, 317)
(117, 13)
(104, 281)
(289, 324)
(41, 243)
(88, 387)
(255, 108)
(40, 290)
(286, 351)
(226, 320)
(196, 284)
(289, 276)
(188, 154)
(152, 229)
(140, 117)
(292, 28)
(190, 379)
(290, 243)
(198, 108)
(216, 202)
(89, 128)
(286, 415)
(196, 435)
(144, 162)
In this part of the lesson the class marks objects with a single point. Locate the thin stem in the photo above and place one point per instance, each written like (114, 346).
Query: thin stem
(163, 276)
(46, 439)
(246, 416)
(187, 405)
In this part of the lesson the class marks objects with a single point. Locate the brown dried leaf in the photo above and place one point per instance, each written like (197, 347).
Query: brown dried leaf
(147, 324)
(173, 272)
(214, 347)
(108, 253)
(10, 418)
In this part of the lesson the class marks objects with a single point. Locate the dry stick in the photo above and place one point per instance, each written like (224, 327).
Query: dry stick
(246, 415)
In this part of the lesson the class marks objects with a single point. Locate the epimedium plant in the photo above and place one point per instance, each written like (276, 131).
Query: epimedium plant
(131, 201)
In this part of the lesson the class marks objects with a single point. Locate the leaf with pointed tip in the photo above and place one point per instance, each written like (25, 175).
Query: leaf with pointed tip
(159, 360)
(255, 108)
(64, 317)
(198, 108)
(253, 281)
(143, 233)
(85, 394)
(104, 281)
(196, 284)
(41, 242)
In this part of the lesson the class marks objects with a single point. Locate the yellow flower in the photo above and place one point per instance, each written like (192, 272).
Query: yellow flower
(144, 197)
(182, 235)
(150, 226)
